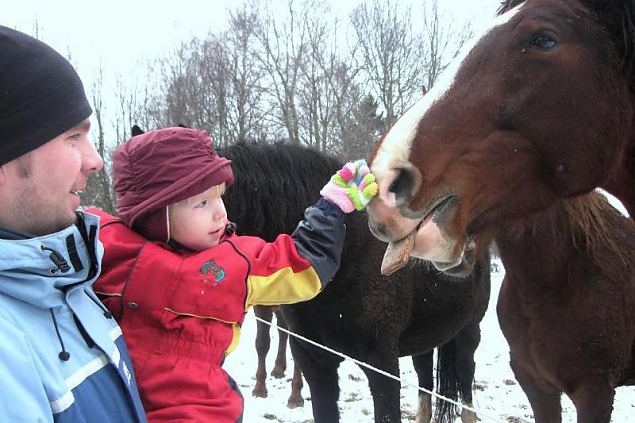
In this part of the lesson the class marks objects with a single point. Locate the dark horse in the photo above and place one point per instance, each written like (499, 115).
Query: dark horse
(263, 342)
(372, 318)
(539, 110)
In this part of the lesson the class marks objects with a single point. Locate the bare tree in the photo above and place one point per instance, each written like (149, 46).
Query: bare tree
(246, 110)
(398, 61)
(390, 54)
(134, 106)
(442, 41)
(214, 84)
(317, 90)
(99, 189)
(285, 76)
(283, 49)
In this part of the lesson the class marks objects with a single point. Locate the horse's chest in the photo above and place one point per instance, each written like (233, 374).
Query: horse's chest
(534, 332)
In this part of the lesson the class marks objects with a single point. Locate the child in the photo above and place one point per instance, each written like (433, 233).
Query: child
(179, 280)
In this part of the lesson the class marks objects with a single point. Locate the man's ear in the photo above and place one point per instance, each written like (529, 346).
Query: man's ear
(3, 177)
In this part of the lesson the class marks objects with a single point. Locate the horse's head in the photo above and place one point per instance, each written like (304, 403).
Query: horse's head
(537, 108)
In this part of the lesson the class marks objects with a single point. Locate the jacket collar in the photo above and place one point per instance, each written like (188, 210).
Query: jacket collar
(39, 270)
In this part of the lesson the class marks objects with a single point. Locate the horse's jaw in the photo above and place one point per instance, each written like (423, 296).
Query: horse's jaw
(424, 238)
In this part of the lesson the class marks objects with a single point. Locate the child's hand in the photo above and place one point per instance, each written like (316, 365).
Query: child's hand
(352, 187)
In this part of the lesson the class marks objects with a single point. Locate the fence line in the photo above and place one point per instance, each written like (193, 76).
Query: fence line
(479, 413)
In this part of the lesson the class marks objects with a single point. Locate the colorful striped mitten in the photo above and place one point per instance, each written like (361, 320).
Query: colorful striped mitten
(352, 187)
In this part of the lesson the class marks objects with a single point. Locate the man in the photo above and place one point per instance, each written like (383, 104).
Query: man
(62, 355)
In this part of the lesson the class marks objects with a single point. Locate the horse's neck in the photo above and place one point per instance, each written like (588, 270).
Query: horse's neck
(621, 186)
(536, 248)
(622, 181)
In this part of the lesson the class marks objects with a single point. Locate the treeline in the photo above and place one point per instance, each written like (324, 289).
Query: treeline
(297, 77)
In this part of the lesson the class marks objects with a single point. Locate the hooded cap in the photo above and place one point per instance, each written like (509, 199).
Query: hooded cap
(41, 95)
(162, 167)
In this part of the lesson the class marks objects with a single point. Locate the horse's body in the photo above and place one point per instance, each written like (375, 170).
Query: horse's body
(566, 306)
(372, 318)
(538, 111)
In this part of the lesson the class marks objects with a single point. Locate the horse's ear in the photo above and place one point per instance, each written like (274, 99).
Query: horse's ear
(506, 5)
(614, 13)
(603, 6)
(136, 130)
(618, 16)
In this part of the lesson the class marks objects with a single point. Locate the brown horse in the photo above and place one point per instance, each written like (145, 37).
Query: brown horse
(566, 305)
(539, 109)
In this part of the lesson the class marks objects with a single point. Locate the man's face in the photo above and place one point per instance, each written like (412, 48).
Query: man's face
(41, 190)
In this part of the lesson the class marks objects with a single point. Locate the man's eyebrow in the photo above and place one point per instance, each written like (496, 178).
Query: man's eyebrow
(84, 125)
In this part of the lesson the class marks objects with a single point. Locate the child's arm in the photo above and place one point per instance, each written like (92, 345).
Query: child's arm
(315, 245)
(320, 236)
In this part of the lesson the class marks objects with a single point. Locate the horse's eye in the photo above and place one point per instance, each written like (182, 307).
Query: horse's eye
(543, 42)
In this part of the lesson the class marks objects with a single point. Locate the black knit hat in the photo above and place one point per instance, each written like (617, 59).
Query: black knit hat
(41, 95)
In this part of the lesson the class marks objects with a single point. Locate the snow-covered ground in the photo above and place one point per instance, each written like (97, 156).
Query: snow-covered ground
(497, 395)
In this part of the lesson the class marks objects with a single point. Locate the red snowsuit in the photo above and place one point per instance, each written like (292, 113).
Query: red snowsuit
(181, 311)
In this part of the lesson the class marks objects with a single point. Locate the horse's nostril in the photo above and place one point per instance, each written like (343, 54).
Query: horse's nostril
(403, 185)
(378, 229)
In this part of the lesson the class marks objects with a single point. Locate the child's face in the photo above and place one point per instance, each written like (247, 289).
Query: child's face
(199, 222)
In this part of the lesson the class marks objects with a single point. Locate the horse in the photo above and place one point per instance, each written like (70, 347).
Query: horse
(541, 106)
(373, 318)
(502, 149)
(263, 342)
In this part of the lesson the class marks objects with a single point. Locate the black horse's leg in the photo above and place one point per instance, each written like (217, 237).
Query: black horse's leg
(280, 365)
(262, 348)
(385, 391)
(423, 366)
(467, 341)
(320, 372)
(545, 404)
(593, 401)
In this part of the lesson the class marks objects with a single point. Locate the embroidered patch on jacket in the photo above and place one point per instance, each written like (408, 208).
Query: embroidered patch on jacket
(211, 268)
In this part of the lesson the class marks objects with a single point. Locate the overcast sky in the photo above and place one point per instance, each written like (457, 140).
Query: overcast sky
(118, 33)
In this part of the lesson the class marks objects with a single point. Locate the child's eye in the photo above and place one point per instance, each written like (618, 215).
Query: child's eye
(201, 204)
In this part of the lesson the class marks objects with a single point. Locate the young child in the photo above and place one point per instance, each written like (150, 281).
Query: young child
(179, 280)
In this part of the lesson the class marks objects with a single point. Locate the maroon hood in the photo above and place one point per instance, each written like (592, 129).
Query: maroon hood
(162, 167)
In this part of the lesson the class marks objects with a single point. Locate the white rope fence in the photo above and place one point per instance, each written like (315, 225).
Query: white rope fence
(481, 414)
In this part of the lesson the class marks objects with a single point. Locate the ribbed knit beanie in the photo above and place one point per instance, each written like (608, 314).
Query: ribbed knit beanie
(162, 167)
(41, 95)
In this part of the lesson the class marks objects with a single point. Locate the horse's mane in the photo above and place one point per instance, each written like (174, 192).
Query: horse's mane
(617, 16)
(599, 224)
(263, 171)
(591, 224)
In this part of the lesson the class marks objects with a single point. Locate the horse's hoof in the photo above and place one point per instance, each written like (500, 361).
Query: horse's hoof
(278, 372)
(260, 392)
(468, 416)
(295, 403)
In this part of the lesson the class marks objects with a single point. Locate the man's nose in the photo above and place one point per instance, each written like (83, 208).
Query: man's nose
(91, 160)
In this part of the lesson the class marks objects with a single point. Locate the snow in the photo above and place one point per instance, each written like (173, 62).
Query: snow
(497, 396)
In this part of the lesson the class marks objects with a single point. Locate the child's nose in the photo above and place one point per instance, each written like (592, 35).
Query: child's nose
(219, 213)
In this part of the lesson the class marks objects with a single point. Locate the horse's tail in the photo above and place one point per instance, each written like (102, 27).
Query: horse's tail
(448, 383)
